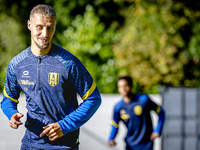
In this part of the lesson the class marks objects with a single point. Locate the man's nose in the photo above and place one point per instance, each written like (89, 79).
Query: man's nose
(45, 32)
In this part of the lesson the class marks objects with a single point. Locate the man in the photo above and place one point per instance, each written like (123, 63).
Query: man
(134, 111)
(50, 77)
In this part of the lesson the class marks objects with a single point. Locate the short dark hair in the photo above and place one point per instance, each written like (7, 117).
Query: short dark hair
(127, 78)
(44, 10)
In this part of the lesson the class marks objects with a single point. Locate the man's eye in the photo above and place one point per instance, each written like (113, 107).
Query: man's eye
(39, 27)
(50, 28)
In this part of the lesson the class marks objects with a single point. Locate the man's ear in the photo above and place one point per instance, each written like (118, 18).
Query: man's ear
(29, 24)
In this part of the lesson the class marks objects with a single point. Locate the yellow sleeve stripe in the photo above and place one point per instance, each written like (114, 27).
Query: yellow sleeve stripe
(114, 124)
(6, 95)
(158, 109)
(90, 91)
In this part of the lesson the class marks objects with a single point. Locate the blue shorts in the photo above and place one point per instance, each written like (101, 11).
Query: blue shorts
(25, 147)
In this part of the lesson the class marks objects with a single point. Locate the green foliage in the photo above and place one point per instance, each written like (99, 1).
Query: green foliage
(152, 47)
(87, 39)
(11, 43)
(155, 42)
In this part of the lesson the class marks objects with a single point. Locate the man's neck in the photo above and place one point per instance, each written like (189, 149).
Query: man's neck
(127, 99)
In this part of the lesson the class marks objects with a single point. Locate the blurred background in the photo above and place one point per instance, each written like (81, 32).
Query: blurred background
(156, 42)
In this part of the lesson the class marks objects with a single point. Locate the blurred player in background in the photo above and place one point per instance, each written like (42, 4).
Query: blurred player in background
(51, 77)
(134, 111)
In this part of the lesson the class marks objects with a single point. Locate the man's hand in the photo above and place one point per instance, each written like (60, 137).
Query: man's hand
(15, 120)
(111, 143)
(53, 131)
(154, 135)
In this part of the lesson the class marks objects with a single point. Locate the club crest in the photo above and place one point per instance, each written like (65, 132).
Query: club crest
(53, 78)
(138, 110)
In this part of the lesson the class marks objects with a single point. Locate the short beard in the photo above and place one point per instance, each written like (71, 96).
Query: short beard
(42, 48)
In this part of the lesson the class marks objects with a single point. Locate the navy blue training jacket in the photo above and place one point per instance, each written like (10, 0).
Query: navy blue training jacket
(51, 84)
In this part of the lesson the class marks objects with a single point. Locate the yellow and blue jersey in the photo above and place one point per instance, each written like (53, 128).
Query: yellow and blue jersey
(51, 84)
(136, 117)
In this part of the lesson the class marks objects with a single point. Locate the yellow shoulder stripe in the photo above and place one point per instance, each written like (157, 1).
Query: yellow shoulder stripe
(6, 95)
(114, 124)
(158, 109)
(90, 91)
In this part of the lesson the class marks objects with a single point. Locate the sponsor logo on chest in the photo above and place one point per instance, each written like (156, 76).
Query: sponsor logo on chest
(53, 79)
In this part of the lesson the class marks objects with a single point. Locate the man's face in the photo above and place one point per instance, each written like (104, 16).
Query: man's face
(42, 31)
(123, 87)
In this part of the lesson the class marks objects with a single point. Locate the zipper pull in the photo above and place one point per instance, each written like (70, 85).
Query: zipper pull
(39, 60)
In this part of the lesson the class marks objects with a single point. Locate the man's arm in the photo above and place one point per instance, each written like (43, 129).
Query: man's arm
(113, 133)
(161, 115)
(9, 108)
(82, 114)
(10, 96)
(114, 127)
(75, 119)
(8, 105)
(87, 89)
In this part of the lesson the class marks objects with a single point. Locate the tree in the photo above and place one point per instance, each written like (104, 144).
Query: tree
(88, 39)
(154, 48)
(155, 42)
(12, 42)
